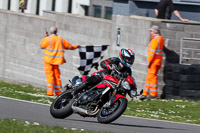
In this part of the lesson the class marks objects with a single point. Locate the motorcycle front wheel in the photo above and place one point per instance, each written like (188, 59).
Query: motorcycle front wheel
(109, 114)
(61, 106)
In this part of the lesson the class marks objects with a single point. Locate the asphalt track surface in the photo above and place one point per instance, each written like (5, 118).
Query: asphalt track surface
(35, 112)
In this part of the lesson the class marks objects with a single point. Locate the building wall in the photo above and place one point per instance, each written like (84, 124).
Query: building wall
(60, 6)
(21, 56)
(146, 8)
(45, 5)
(14, 6)
(102, 3)
(31, 7)
(77, 6)
(3, 4)
(121, 7)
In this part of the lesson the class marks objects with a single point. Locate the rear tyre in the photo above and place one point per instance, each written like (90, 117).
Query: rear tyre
(107, 115)
(61, 106)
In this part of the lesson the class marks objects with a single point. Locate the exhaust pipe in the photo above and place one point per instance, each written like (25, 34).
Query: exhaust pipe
(79, 110)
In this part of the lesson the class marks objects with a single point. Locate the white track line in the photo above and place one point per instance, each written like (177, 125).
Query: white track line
(161, 120)
(24, 101)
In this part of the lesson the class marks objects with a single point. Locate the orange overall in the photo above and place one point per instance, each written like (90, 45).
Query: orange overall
(54, 47)
(155, 53)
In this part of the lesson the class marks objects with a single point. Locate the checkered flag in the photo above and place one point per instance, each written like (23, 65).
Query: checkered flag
(90, 56)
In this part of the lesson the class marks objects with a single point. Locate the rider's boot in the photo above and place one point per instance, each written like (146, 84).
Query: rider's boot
(77, 89)
(142, 97)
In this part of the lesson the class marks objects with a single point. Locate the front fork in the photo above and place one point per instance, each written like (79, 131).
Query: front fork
(113, 99)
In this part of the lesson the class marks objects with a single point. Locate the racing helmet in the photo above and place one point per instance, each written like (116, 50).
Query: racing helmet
(127, 57)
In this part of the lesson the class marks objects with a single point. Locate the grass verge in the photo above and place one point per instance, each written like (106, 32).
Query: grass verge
(13, 126)
(172, 110)
(24, 92)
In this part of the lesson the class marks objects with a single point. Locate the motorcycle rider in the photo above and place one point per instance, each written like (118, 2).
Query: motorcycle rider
(122, 63)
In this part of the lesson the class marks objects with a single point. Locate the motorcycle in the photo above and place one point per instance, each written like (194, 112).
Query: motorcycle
(107, 100)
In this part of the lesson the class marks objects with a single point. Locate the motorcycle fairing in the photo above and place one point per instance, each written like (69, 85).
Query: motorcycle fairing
(131, 80)
(113, 99)
(116, 97)
(103, 85)
(84, 77)
(110, 78)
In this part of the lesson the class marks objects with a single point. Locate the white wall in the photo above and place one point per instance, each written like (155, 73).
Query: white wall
(31, 7)
(14, 6)
(62, 5)
(77, 6)
(45, 5)
(3, 4)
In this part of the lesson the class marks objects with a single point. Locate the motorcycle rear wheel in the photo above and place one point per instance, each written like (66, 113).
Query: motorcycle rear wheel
(107, 115)
(61, 106)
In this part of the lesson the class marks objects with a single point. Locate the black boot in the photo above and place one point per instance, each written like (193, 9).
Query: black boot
(142, 97)
(77, 89)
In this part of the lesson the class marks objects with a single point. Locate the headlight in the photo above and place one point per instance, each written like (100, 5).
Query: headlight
(126, 85)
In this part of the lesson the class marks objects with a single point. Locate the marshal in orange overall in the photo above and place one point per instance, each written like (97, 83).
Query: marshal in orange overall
(54, 47)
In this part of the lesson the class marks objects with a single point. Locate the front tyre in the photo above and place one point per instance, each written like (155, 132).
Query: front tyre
(61, 106)
(107, 115)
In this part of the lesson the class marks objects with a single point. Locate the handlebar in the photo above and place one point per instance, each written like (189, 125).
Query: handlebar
(116, 73)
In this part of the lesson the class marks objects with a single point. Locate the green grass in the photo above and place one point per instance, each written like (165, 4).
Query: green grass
(24, 92)
(13, 126)
(172, 110)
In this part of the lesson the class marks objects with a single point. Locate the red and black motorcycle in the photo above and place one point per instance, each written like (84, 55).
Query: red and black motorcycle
(107, 101)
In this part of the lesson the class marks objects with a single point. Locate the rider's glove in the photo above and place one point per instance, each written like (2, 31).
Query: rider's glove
(112, 66)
